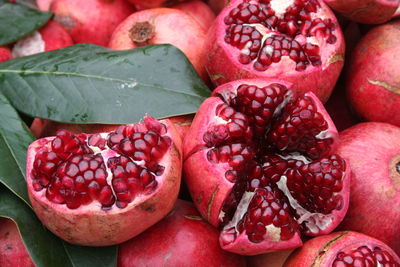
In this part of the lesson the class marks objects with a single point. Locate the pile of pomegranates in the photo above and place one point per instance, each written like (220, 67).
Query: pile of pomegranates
(289, 162)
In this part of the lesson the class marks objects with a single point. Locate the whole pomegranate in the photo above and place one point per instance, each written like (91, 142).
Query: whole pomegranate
(298, 40)
(12, 250)
(182, 238)
(259, 165)
(50, 37)
(199, 11)
(366, 11)
(372, 77)
(343, 249)
(159, 26)
(154, 3)
(5, 53)
(44, 5)
(271, 259)
(90, 21)
(373, 150)
(103, 189)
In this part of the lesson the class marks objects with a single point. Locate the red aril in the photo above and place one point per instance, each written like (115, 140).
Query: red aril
(182, 238)
(343, 249)
(50, 37)
(103, 189)
(158, 26)
(296, 40)
(199, 11)
(373, 151)
(259, 165)
(5, 53)
(90, 21)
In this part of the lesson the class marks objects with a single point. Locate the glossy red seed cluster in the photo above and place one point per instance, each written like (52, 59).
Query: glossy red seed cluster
(366, 257)
(243, 33)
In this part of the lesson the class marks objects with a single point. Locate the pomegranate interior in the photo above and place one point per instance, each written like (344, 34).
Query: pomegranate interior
(367, 256)
(278, 151)
(107, 168)
(266, 30)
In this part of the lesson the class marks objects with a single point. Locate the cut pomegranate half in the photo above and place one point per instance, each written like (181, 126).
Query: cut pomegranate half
(105, 188)
(299, 40)
(258, 164)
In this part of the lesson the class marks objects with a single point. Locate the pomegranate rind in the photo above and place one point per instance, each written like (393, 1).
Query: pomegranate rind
(318, 79)
(90, 225)
(199, 11)
(366, 12)
(322, 250)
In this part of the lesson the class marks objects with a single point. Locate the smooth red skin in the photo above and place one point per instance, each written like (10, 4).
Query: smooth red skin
(5, 53)
(365, 11)
(223, 66)
(44, 5)
(94, 227)
(272, 259)
(12, 250)
(322, 250)
(55, 36)
(182, 238)
(217, 5)
(373, 84)
(375, 194)
(146, 4)
(199, 11)
(91, 21)
(167, 22)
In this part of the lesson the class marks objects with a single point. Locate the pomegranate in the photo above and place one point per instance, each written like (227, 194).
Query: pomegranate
(299, 40)
(12, 250)
(90, 21)
(372, 76)
(50, 37)
(182, 238)
(373, 151)
(158, 26)
(272, 259)
(154, 3)
(366, 11)
(217, 5)
(5, 53)
(343, 249)
(258, 164)
(103, 189)
(44, 5)
(199, 11)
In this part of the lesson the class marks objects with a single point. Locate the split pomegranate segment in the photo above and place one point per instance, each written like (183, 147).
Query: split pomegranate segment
(102, 189)
(293, 39)
(259, 165)
(343, 249)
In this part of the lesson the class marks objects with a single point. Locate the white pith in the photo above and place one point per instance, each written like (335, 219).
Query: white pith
(29, 45)
(296, 156)
(280, 6)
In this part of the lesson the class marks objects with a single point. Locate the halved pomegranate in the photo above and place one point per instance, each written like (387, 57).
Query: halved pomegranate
(298, 40)
(103, 189)
(258, 164)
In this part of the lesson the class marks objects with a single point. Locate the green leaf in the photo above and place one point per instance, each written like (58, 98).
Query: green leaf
(14, 141)
(46, 249)
(18, 20)
(90, 84)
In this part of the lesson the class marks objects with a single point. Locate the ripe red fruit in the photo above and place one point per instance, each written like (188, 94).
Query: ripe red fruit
(217, 5)
(50, 37)
(373, 150)
(272, 259)
(182, 238)
(154, 3)
(368, 12)
(297, 40)
(5, 53)
(159, 26)
(44, 5)
(90, 21)
(259, 165)
(12, 250)
(343, 249)
(103, 189)
(372, 77)
(199, 11)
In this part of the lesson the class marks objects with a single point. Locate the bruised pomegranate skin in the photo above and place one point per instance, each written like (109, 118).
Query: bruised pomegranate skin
(160, 26)
(12, 249)
(199, 11)
(50, 37)
(297, 40)
(258, 165)
(373, 150)
(182, 238)
(367, 12)
(343, 249)
(90, 21)
(5, 53)
(103, 189)
(372, 77)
